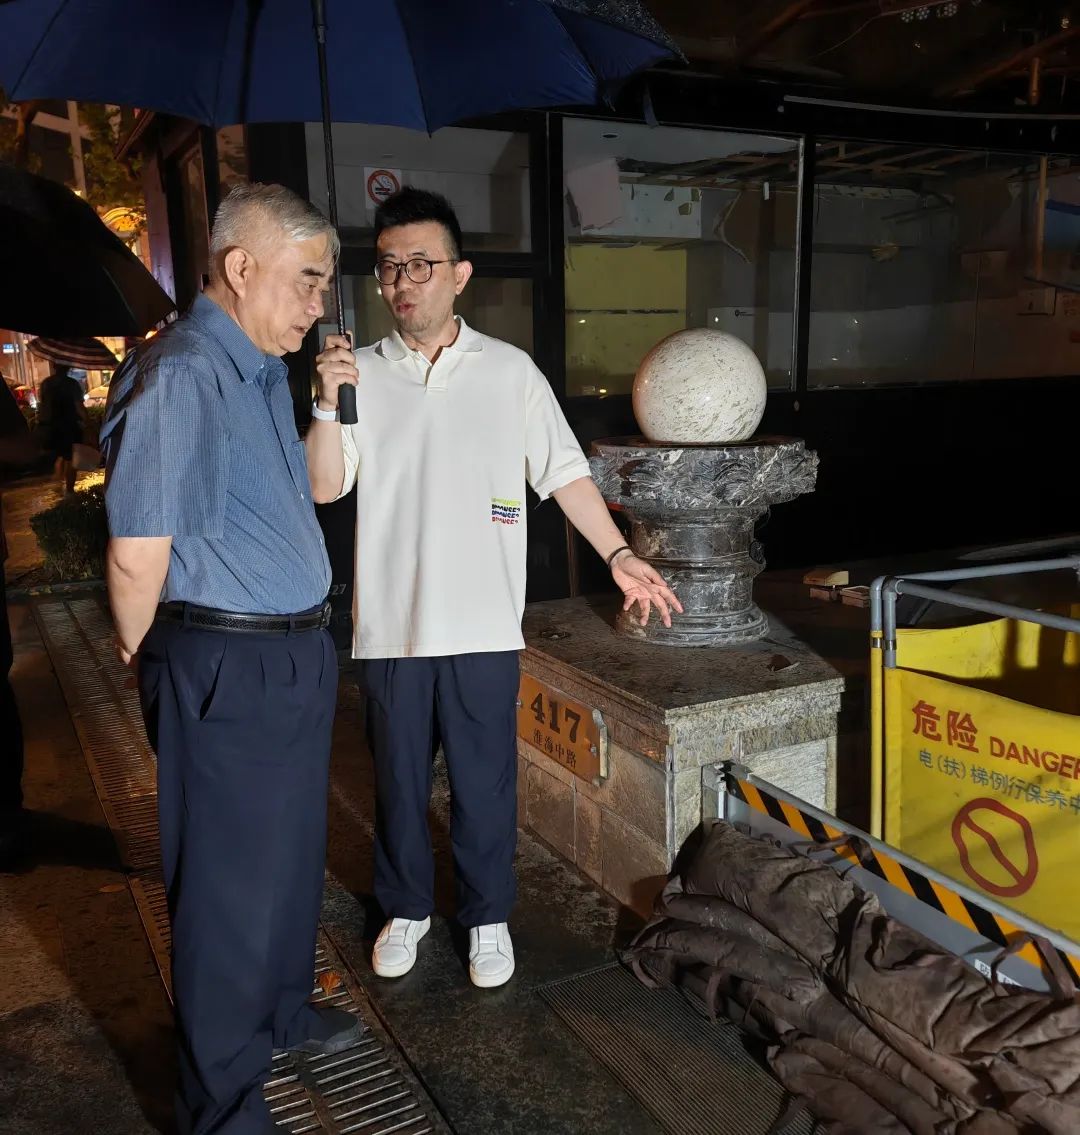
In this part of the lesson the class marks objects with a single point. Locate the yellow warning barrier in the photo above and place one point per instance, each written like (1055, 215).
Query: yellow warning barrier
(981, 746)
(1024, 661)
(903, 876)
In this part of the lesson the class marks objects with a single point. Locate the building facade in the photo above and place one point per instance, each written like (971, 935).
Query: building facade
(909, 281)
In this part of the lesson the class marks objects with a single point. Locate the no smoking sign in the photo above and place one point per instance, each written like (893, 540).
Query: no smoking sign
(379, 184)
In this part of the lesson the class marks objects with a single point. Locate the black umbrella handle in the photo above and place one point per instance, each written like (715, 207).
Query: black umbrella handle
(346, 392)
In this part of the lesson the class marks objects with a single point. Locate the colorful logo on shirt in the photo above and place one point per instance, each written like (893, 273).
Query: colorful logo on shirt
(505, 511)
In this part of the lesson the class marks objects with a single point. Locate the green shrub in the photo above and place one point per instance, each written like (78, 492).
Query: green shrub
(73, 533)
(95, 415)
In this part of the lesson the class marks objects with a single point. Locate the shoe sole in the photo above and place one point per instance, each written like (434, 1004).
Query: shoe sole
(393, 971)
(493, 981)
(401, 970)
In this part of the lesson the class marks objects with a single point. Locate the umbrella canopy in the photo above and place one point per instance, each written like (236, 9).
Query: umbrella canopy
(65, 275)
(415, 63)
(88, 354)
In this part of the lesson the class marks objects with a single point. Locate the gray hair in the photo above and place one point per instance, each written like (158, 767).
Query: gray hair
(251, 202)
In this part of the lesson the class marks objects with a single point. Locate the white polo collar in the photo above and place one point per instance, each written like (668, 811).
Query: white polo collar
(393, 348)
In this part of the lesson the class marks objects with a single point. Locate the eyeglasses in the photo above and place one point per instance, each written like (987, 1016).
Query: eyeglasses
(419, 271)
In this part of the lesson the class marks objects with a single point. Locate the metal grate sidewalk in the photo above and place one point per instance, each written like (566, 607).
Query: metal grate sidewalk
(367, 1088)
(693, 1076)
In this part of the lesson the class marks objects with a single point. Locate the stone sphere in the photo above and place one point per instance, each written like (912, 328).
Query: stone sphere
(699, 386)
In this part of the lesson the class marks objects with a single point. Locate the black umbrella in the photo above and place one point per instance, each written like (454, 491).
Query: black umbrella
(87, 354)
(65, 274)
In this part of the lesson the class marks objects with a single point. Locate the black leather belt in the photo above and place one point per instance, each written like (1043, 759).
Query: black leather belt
(192, 615)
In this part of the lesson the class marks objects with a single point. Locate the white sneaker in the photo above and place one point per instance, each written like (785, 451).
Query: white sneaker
(395, 948)
(491, 955)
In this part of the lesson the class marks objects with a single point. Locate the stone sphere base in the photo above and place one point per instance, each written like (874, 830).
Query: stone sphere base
(692, 511)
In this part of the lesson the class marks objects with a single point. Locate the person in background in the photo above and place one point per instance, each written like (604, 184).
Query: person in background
(16, 448)
(452, 424)
(61, 421)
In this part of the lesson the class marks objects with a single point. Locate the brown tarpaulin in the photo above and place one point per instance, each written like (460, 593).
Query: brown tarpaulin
(870, 1023)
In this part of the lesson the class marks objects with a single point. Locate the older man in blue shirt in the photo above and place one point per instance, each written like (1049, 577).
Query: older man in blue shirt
(217, 579)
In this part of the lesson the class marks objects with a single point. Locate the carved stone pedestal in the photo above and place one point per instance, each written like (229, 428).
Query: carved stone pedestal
(693, 509)
(667, 719)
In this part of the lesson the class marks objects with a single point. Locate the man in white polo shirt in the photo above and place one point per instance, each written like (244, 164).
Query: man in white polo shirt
(452, 424)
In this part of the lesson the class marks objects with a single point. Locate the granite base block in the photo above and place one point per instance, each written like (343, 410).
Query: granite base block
(550, 811)
(671, 717)
(635, 868)
(685, 805)
(597, 827)
(807, 771)
(588, 841)
(635, 789)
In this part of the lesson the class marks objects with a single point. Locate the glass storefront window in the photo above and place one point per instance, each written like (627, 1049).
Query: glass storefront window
(485, 176)
(1027, 314)
(484, 173)
(937, 265)
(668, 229)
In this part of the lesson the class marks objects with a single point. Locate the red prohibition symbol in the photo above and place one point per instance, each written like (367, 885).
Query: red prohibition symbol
(382, 184)
(966, 827)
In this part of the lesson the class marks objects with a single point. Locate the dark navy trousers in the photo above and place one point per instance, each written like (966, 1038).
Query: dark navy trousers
(241, 725)
(471, 699)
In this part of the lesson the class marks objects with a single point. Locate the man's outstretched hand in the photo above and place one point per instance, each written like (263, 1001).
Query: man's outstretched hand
(642, 584)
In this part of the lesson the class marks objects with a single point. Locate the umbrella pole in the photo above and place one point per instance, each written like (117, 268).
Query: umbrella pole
(346, 393)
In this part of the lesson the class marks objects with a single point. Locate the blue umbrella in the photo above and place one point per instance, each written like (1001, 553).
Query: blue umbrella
(416, 63)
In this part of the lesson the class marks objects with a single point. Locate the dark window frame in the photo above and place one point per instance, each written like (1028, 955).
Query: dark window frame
(546, 229)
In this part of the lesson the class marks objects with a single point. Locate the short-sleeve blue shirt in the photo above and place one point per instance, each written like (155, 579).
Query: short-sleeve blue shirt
(201, 445)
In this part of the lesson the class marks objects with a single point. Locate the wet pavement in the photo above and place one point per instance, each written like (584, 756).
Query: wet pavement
(85, 1025)
(495, 1060)
(86, 1039)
